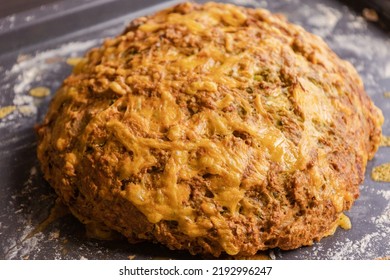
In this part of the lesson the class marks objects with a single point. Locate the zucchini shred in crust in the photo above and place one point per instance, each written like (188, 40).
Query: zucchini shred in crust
(211, 128)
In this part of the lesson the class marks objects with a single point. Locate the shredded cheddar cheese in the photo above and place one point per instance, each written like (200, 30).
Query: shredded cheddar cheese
(205, 123)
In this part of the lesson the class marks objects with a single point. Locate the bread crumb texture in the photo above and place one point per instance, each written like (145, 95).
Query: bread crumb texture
(381, 172)
(6, 110)
(211, 128)
(385, 141)
(39, 92)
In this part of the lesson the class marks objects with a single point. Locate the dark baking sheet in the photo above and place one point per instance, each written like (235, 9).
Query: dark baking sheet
(34, 45)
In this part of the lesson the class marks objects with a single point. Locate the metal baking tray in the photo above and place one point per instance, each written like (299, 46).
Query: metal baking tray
(34, 47)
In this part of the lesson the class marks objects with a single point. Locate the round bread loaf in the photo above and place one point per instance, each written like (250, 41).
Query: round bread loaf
(211, 128)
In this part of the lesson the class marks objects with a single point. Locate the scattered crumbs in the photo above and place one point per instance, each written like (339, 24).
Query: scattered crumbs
(39, 92)
(386, 94)
(344, 222)
(370, 15)
(381, 172)
(30, 70)
(5, 111)
(73, 61)
(340, 222)
(385, 141)
(83, 258)
(131, 257)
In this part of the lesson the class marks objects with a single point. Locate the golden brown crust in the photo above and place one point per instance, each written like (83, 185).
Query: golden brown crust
(211, 128)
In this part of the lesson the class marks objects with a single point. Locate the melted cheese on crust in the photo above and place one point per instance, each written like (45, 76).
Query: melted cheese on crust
(224, 98)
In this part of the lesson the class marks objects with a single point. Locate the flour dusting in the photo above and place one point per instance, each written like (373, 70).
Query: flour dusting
(372, 233)
(26, 240)
(36, 70)
(385, 194)
(325, 21)
(21, 247)
(366, 50)
(252, 3)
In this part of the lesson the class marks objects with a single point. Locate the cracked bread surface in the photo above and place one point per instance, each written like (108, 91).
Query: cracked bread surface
(211, 128)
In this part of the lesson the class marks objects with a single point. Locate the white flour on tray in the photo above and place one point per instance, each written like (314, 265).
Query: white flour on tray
(29, 71)
(33, 70)
(365, 246)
